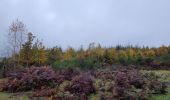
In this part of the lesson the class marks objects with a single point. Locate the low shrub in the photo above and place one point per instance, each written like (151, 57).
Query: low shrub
(157, 87)
(130, 84)
(72, 84)
(67, 74)
(65, 64)
(81, 84)
(30, 79)
(104, 75)
(88, 63)
(83, 63)
(45, 91)
(130, 77)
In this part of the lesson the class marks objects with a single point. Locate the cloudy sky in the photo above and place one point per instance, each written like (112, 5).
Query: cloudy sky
(80, 22)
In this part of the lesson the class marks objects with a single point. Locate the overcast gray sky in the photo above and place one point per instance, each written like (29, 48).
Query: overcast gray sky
(80, 22)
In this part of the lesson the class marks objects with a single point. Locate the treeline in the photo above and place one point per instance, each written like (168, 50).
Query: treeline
(95, 56)
(29, 51)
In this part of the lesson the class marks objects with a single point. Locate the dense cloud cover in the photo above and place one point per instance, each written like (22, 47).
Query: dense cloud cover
(80, 22)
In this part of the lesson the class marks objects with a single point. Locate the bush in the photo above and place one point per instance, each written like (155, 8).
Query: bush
(48, 92)
(67, 74)
(131, 77)
(30, 79)
(104, 75)
(81, 84)
(157, 87)
(65, 64)
(82, 63)
(127, 82)
(130, 84)
(88, 63)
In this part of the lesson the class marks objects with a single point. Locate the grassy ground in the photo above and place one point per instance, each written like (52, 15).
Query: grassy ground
(20, 96)
(165, 77)
(163, 74)
(162, 97)
(10, 96)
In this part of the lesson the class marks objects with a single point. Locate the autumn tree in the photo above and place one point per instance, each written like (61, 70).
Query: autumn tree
(80, 53)
(33, 53)
(70, 53)
(163, 50)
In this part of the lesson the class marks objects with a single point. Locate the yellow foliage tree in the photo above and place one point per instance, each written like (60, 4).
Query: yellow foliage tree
(70, 53)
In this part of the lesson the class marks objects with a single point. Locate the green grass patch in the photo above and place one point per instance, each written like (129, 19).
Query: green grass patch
(11, 96)
(164, 75)
(162, 96)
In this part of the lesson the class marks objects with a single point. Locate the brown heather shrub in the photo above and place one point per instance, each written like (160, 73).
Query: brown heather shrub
(104, 75)
(130, 77)
(67, 74)
(47, 92)
(30, 79)
(157, 87)
(81, 84)
(120, 84)
(127, 81)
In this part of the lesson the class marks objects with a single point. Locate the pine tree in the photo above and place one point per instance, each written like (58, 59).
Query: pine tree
(39, 53)
(26, 51)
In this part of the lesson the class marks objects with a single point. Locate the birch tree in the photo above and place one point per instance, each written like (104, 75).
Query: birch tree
(17, 36)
